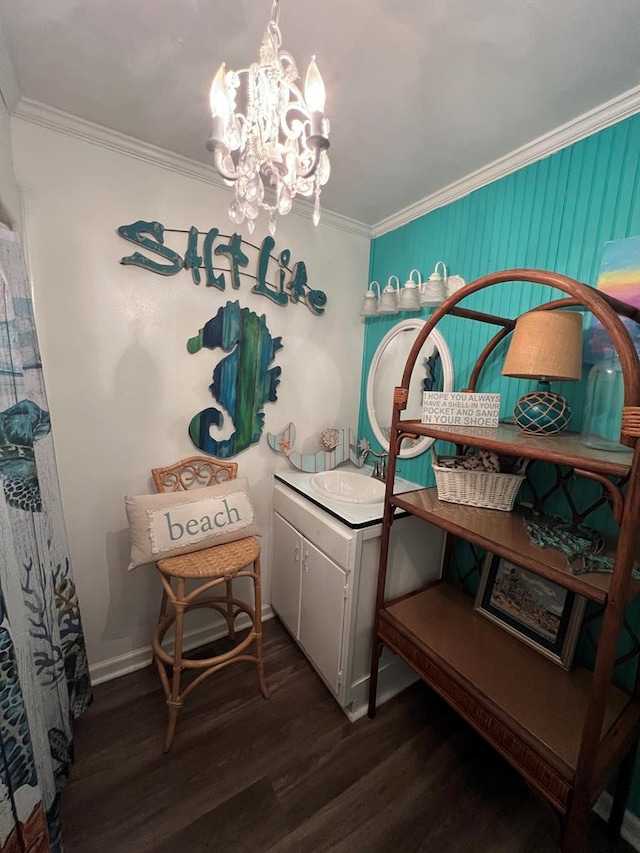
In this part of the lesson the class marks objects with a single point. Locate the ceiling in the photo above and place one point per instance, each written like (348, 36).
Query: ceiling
(420, 93)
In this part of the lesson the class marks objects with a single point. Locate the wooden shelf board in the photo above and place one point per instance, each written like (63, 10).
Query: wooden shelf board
(504, 533)
(541, 703)
(565, 449)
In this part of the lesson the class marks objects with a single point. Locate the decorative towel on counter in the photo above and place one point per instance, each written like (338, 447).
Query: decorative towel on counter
(581, 544)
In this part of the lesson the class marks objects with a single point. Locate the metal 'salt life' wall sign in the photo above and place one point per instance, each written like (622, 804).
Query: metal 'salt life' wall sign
(290, 286)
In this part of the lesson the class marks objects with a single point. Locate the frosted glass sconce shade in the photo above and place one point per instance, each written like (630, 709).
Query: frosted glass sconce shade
(434, 291)
(410, 293)
(389, 299)
(370, 301)
(545, 345)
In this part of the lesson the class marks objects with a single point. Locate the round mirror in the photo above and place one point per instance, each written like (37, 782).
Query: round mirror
(433, 371)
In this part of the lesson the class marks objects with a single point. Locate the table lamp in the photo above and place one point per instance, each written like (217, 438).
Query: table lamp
(546, 345)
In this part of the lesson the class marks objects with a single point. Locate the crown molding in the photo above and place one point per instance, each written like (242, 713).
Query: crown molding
(51, 118)
(618, 108)
(615, 110)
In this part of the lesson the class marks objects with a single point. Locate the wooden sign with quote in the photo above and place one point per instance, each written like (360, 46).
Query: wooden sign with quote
(456, 408)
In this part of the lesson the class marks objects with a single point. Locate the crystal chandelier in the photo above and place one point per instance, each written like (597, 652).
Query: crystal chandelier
(274, 137)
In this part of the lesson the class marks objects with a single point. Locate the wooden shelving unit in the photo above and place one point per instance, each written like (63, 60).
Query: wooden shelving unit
(537, 709)
(507, 439)
(566, 732)
(504, 533)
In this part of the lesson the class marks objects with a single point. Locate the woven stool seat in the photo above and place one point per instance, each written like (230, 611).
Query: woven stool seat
(214, 570)
(221, 561)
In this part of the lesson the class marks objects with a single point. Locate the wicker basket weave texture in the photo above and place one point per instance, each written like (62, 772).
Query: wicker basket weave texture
(492, 490)
(219, 561)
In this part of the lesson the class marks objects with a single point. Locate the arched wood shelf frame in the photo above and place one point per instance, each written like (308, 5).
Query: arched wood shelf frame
(598, 747)
(603, 307)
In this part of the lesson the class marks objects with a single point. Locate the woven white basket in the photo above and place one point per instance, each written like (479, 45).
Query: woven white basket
(492, 490)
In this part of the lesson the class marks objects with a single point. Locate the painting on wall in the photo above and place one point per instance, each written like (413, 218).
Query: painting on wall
(242, 382)
(619, 277)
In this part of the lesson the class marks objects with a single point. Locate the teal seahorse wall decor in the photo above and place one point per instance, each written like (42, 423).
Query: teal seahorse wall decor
(242, 382)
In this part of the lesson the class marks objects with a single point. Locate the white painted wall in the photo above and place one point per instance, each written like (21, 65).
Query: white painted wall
(121, 385)
(9, 191)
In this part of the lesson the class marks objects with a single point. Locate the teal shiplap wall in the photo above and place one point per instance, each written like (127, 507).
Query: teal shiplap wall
(555, 214)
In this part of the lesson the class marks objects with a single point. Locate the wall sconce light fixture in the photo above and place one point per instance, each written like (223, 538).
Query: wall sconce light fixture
(389, 300)
(414, 295)
(434, 290)
(370, 301)
(410, 293)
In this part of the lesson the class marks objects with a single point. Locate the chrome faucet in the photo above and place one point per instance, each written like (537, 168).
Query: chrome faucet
(380, 466)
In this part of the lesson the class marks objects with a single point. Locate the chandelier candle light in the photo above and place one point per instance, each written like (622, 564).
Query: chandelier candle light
(275, 137)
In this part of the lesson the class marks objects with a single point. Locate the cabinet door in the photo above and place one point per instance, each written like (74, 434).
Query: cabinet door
(285, 573)
(322, 608)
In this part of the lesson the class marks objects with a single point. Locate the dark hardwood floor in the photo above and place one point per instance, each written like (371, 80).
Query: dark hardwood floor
(292, 774)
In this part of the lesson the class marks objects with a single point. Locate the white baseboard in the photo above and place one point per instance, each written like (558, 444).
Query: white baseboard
(140, 658)
(394, 676)
(630, 830)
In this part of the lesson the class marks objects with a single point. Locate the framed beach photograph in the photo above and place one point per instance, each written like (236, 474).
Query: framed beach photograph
(542, 614)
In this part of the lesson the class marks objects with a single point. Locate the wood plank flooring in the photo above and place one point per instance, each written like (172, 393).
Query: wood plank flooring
(292, 775)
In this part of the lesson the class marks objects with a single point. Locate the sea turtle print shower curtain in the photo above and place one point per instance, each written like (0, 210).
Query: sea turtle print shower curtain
(44, 681)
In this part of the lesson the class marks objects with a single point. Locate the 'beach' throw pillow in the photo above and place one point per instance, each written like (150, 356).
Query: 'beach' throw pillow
(167, 524)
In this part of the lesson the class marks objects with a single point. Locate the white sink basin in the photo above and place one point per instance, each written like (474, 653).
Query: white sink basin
(348, 486)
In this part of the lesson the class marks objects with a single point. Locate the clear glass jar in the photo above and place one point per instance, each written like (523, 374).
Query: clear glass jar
(604, 402)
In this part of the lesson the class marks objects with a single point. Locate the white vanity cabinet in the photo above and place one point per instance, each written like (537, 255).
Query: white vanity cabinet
(309, 592)
(323, 587)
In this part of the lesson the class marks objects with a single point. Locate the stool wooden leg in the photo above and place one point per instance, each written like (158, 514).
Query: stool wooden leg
(163, 605)
(230, 616)
(174, 702)
(258, 629)
(159, 663)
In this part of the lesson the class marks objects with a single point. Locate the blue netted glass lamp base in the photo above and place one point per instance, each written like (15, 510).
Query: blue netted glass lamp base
(542, 412)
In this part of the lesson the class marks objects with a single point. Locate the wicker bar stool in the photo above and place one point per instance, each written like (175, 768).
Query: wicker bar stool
(216, 566)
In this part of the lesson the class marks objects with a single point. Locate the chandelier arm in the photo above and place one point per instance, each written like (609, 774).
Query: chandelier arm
(319, 144)
(220, 151)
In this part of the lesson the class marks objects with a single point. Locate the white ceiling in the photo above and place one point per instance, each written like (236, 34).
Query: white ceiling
(420, 92)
